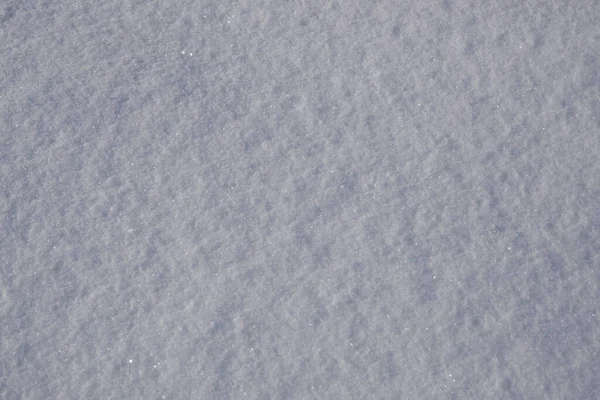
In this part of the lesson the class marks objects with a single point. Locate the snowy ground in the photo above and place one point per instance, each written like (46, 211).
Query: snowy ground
(300, 199)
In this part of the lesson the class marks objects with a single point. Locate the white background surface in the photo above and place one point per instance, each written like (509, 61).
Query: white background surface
(299, 199)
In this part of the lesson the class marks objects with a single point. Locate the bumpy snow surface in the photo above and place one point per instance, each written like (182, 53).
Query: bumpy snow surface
(300, 199)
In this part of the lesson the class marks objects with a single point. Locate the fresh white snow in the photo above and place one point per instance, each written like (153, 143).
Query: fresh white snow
(299, 199)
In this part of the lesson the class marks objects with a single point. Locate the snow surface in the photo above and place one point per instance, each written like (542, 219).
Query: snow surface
(300, 199)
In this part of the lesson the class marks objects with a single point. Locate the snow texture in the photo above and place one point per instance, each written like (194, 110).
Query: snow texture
(300, 199)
